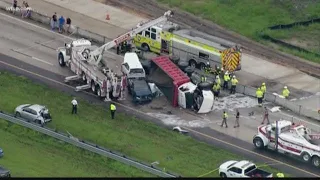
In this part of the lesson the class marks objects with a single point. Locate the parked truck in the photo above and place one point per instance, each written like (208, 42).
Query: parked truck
(242, 169)
(197, 48)
(85, 60)
(289, 138)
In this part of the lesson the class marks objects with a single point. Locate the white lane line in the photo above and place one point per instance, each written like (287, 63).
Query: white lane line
(36, 26)
(37, 59)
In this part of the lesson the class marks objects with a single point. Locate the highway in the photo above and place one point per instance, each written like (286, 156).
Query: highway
(30, 50)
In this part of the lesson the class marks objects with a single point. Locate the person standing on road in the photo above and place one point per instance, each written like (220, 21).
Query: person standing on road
(224, 117)
(74, 106)
(266, 116)
(285, 92)
(54, 21)
(61, 24)
(218, 81)
(259, 95)
(216, 90)
(112, 110)
(263, 89)
(234, 83)
(226, 79)
(237, 119)
(68, 25)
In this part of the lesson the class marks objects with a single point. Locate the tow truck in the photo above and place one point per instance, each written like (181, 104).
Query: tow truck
(289, 138)
(85, 60)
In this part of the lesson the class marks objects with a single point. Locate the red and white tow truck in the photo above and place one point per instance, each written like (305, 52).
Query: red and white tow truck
(289, 138)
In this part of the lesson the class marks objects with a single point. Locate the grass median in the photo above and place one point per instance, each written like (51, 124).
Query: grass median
(135, 138)
(249, 17)
(31, 154)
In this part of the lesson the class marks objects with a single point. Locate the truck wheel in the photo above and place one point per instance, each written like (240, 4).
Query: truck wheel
(223, 175)
(145, 47)
(17, 114)
(84, 77)
(305, 157)
(193, 63)
(258, 143)
(202, 66)
(316, 161)
(61, 60)
(93, 87)
(98, 89)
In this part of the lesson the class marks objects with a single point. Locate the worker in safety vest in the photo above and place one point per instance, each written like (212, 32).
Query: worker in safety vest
(218, 81)
(234, 83)
(218, 71)
(113, 109)
(259, 95)
(207, 69)
(280, 175)
(216, 90)
(226, 79)
(285, 92)
(263, 89)
(203, 79)
(224, 117)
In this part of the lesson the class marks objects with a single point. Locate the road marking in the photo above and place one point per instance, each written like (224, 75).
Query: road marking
(251, 152)
(37, 59)
(191, 130)
(208, 172)
(32, 57)
(36, 26)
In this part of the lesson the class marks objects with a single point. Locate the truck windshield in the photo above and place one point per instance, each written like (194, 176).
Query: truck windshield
(136, 71)
(249, 169)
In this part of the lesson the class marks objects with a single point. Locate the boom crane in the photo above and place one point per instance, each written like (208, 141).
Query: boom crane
(95, 56)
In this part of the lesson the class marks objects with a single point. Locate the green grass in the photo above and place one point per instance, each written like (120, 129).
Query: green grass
(249, 17)
(31, 154)
(135, 138)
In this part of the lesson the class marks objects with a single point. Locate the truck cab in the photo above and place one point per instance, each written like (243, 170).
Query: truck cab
(241, 169)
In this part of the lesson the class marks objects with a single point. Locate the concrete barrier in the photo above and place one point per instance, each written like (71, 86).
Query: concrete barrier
(249, 91)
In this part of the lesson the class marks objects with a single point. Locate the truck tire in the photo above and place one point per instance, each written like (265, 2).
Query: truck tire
(174, 59)
(17, 115)
(305, 157)
(61, 61)
(205, 86)
(145, 47)
(315, 161)
(183, 65)
(93, 87)
(258, 143)
(193, 63)
(189, 70)
(202, 66)
(223, 175)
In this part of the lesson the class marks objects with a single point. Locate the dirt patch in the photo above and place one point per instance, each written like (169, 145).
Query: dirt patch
(151, 8)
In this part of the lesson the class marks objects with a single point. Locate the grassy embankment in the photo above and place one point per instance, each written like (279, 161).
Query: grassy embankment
(136, 138)
(250, 17)
(31, 154)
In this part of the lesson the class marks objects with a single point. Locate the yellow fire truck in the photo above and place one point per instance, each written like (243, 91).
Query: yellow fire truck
(190, 45)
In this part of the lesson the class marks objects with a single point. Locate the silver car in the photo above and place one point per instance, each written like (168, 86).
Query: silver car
(35, 113)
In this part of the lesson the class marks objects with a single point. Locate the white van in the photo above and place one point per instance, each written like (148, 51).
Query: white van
(132, 67)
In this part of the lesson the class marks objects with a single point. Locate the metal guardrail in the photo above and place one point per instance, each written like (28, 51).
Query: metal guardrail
(88, 146)
(246, 90)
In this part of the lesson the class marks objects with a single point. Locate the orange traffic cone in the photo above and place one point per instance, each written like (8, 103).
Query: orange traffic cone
(107, 17)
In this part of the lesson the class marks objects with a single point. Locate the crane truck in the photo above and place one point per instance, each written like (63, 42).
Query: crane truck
(85, 60)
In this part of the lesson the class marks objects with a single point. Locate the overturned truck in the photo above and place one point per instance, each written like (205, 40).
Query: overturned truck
(178, 88)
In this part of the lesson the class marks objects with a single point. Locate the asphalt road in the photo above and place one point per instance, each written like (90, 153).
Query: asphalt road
(30, 51)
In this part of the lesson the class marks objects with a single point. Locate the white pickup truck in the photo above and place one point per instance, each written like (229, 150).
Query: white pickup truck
(241, 169)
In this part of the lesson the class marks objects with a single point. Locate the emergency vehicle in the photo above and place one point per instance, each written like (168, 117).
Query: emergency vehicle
(289, 138)
(85, 60)
(195, 47)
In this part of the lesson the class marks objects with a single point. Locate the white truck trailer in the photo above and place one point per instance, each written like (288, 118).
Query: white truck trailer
(84, 60)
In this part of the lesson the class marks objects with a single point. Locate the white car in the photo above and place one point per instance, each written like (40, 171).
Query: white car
(294, 139)
(35, 113)
(241, 169)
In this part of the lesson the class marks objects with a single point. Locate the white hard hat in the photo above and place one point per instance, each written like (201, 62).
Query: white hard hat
(208, 63)
(217, 77)
(227, 72)
(222, 69)
(285, 87)
(234, 76)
